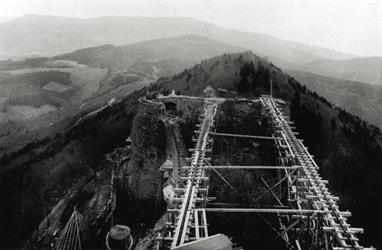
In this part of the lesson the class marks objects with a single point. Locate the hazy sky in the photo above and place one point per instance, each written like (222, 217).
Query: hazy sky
(349, 26)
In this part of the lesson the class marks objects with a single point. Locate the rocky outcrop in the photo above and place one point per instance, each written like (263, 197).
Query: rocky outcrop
(148, 153)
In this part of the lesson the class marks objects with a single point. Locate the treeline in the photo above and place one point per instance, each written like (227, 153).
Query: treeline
(348, 151)
(251, 79)
(40, 78)
(304, 90)
(6, 158)
(27, 63)
(309, 123)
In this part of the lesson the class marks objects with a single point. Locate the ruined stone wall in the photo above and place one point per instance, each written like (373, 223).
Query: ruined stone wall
(148, 153)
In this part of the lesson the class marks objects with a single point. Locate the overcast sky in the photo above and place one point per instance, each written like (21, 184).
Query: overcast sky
(348, 25)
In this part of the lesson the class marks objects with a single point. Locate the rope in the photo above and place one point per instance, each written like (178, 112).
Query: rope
(70, 236)
(226, 182)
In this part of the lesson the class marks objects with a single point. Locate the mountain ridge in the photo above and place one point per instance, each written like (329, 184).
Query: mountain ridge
(363, 69)
(359, 98)
(60, 37)
(168, 55)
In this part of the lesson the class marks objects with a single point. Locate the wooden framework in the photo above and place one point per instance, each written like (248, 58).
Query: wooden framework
(247, 136)
(186, 219)
(308, 214)
(326, 228)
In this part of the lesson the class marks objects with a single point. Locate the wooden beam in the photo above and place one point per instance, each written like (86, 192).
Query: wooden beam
(205, 223)
(249, 167)
(246, 136)
(348, 230)
(264, 210)
(196, 220)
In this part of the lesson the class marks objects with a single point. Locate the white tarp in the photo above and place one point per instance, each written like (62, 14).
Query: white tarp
(214, 242)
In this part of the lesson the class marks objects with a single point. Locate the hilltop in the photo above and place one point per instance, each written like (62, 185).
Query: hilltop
(347, 149)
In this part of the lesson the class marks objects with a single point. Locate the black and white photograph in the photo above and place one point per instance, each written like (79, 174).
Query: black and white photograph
(190, 124)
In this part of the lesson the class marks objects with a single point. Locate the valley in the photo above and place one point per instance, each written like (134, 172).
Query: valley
(40, 102)
(52, 93)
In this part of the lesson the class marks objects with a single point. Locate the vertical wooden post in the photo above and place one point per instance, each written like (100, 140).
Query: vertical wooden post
(196, 220)
(271, 88)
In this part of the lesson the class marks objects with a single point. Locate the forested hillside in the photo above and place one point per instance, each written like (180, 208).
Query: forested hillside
(347, 149)
(358, 98)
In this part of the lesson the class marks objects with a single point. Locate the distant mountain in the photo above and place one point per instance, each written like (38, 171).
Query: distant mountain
(160, 56)
(31, 35)
(50, 89)
(367, 69)
(361, 99)
(167, 56)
